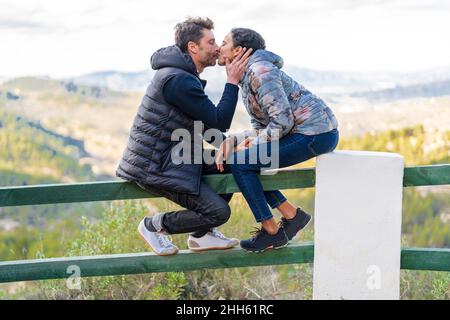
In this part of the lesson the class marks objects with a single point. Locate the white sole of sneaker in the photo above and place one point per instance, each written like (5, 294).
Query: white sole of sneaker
(212, 248)
(269, 248)
(141, 233)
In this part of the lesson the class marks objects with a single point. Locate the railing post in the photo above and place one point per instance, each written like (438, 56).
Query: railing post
(358, 210)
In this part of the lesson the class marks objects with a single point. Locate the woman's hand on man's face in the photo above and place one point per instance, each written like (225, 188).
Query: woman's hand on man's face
(236, 69)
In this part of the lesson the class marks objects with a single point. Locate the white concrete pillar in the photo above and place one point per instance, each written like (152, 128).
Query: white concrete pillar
(358, 214)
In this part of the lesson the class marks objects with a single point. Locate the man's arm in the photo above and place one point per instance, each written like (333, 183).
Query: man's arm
(187, 94)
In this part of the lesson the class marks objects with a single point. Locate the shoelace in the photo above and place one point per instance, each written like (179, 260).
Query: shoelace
(164, 240)
(256, 232)
(218, 234)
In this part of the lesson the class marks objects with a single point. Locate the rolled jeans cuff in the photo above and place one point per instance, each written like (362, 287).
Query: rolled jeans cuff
(277, 204)
(274, 198)
(157, 221)
(262, 219)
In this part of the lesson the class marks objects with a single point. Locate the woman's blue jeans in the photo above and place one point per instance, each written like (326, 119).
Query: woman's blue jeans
(293, 149)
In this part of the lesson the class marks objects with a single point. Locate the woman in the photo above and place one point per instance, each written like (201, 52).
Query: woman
(285, 117)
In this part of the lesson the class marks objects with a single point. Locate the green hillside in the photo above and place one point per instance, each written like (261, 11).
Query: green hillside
(95, 119)
(35, 154)
(32, 152)
(31, 155)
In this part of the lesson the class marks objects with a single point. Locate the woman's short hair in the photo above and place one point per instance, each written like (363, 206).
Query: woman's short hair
(247, 38)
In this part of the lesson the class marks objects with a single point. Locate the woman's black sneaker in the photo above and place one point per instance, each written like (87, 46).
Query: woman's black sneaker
(262, 241)
(294, 225)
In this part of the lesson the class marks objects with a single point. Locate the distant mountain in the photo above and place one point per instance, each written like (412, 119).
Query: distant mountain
(345, 82)
(116, 80)
(16, 86)
(322, 82)
(426, 90)
(33, 155)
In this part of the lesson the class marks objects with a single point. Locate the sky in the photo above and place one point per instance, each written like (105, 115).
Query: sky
(60, 38)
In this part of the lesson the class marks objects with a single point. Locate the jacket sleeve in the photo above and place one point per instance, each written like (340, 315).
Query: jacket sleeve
(271, 97)
(240, 136)
(256, 125)
(187, 94)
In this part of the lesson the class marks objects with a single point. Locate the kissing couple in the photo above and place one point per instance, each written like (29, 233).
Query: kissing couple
(288, 122)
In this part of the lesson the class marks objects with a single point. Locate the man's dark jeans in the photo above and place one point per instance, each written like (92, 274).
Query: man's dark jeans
(203, 212)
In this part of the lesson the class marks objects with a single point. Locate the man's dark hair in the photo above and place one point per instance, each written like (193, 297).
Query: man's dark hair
(191, 30)
(247, 38)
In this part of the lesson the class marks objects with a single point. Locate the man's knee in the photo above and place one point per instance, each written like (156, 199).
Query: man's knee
(221, 215)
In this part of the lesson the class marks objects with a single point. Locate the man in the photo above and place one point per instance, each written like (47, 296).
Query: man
(174, 100)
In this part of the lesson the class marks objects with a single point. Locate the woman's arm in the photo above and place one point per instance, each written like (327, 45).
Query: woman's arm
(271, 97)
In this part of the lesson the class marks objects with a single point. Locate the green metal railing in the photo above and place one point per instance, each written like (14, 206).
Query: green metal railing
(136, 263)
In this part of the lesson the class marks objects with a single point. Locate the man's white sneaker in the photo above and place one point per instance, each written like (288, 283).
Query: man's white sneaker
(213, 240)
(158, 241)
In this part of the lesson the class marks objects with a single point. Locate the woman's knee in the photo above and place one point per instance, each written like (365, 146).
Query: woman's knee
(325, 143)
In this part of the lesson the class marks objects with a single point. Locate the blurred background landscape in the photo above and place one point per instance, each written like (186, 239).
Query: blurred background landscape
(62, 127)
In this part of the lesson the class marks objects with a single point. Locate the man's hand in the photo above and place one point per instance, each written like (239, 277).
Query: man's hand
(225, 148)
(236, 69)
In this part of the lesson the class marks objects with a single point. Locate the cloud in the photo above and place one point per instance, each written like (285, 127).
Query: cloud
(351, 35)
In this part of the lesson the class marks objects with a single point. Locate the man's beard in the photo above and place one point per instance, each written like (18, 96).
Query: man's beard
(211, 61)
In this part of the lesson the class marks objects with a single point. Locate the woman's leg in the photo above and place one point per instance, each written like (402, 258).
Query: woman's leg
(287, 210)
(246, 176)
(321, 144)
(276, 200)
(293, 218)
(292, 149)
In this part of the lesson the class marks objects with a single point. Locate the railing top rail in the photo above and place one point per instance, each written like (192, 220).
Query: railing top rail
(121, 190)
